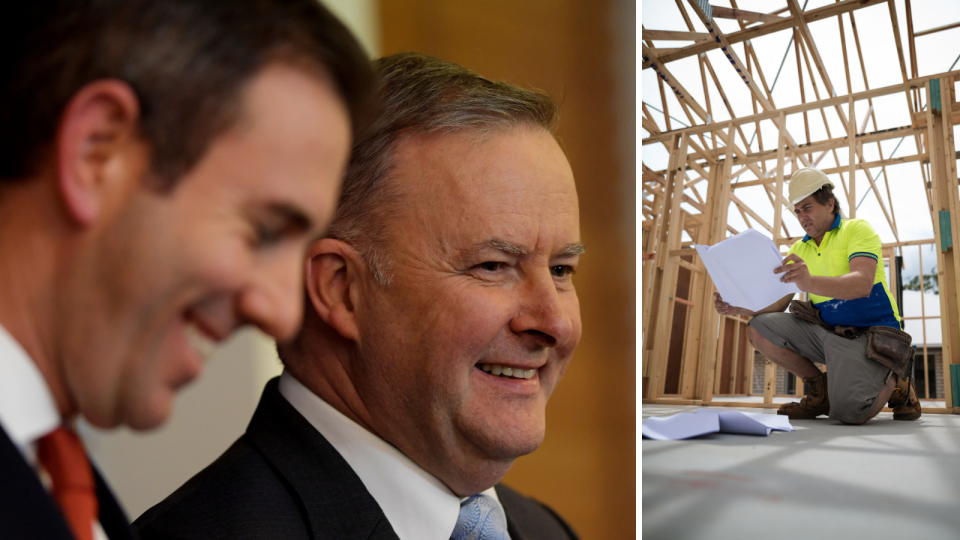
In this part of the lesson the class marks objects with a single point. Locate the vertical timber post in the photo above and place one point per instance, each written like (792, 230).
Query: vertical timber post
(769, 380)
(652, 292)
(852, 139)
(666, 266)
(949, 201)
(769, 372)
(717, 223)
(777, 210)
(943, 173)
(700, 284)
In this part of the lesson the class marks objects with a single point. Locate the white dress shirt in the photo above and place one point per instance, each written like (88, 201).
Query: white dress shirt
(27, 408)
(418, 505)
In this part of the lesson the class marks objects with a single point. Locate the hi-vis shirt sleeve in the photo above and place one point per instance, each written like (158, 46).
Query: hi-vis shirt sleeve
(862, 241)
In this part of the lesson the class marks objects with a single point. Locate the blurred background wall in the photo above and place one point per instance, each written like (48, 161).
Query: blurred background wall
(584, 54)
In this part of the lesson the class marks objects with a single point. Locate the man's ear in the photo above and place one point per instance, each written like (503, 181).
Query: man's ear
(98, 125)
(331, 279)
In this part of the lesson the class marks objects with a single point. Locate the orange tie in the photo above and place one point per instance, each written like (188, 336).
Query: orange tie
(61, 454)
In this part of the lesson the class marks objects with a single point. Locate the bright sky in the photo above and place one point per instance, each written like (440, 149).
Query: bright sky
(935, 54)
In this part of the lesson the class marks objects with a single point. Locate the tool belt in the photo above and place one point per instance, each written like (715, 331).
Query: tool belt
(887, 346)
(807, 312)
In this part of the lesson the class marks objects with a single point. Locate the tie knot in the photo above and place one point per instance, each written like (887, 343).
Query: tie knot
(480, 519)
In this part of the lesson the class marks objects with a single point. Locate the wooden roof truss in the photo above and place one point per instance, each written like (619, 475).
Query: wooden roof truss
(690, 359)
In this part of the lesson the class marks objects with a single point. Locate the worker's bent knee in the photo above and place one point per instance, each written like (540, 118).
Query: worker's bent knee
(755, 336)
(839, 407)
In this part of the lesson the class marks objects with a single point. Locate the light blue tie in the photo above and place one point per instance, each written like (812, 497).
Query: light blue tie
(480, 519)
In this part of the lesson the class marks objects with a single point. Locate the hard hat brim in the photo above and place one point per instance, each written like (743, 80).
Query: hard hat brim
(798, 199)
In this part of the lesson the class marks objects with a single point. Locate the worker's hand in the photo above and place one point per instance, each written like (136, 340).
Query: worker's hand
(724, 308)
(795, 273)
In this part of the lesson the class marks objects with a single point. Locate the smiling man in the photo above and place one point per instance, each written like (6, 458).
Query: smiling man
(443, 317)
(164, 165)
(850, 318)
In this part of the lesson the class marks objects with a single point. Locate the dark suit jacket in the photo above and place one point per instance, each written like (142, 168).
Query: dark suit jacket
(28, 512)
(282, 479)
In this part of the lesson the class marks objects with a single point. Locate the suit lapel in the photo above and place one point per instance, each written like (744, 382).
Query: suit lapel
(512, 530)
(515, 531)
(335, 501)
(112, 517)
(515, 534)
(26, 509)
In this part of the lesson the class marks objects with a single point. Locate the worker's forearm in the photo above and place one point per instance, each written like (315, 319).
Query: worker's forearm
(846, 287)
(777, 307)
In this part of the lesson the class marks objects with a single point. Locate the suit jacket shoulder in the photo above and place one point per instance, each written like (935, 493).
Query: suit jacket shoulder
(281, 479)
(27, 511)
(529, 519)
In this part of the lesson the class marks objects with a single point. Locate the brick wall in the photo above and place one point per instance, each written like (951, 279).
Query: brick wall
(759, 362)
(759, 368)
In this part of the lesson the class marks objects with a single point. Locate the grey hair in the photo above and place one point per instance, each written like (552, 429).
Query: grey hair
(421, 95)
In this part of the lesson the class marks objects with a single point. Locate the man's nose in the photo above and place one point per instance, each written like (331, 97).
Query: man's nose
(273, 299)
(543, 318)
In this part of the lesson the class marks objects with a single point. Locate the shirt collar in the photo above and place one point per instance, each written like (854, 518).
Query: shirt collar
(27, 408)
(836, 225)
(417, 504)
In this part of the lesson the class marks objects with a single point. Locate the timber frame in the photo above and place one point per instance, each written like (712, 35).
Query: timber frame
(689, 358)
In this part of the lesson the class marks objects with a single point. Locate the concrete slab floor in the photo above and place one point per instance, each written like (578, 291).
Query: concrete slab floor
(884, 479)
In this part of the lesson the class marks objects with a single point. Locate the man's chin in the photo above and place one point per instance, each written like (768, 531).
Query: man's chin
(505, 441)
(469, 475)
(149, 414)
(147, 424)
(497, 453)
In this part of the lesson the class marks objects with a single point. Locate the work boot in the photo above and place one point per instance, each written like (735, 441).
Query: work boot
(904, 401)
(815, 403)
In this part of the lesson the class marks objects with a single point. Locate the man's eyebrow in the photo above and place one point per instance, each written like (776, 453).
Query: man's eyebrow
(506, 247)
(291, 215)
(572, 250)
(569, 250)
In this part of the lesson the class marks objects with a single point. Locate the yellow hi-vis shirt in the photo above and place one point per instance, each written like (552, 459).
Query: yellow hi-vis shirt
(847, 239)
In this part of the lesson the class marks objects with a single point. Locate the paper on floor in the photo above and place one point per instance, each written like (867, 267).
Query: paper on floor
(742, 269)
(680, 426)
(705, 421)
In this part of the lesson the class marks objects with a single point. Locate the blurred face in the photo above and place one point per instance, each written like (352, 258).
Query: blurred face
(815, 218)
(460, 353)
(168, 275)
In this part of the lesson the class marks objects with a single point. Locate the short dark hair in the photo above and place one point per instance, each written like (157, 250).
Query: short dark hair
(420, 95)
(188, 61)
(825, 195)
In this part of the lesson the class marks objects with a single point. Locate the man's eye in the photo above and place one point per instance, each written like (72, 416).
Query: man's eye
(561, 271)
(491, 266)
(267, 236)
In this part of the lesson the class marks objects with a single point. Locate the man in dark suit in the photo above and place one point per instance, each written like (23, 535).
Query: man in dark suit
(164, 164)
(443, 316)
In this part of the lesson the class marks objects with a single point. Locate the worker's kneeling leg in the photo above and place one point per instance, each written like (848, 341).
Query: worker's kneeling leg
(780, 353)
(858, 386)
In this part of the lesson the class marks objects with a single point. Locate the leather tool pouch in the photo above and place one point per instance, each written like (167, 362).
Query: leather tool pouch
(807, 312)
(890, 348)
(848, 332)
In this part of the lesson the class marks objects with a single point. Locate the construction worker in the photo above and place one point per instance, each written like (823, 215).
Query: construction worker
(850, 312)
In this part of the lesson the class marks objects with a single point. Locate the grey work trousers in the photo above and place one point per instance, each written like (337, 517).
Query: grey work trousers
(854, 381)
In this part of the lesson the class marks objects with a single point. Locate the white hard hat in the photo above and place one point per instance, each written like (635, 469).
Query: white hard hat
(805, 182)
